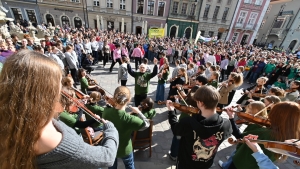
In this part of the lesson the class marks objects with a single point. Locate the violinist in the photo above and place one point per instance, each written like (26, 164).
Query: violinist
(200, 72)
(284, 118)
(275, 91)
(180, 79)
(125, 124)
(67, 86)
(85, 87)
(147, 108)
(293, 93)
(234, 80)
(259, 89)
(93, 106)
(162, 79)
(202, 134)
(271, 100)
(213, 81)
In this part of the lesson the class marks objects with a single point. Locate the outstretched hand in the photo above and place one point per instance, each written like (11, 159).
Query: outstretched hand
(155, 61)
(170, 105)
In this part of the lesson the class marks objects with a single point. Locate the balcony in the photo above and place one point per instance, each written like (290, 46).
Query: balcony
(277, 32)
(251, 27)
(239, 25)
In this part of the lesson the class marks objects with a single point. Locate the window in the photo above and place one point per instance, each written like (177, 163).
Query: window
(17, 14)
(140, 8)
(202, 32)
(220, 35)
(122, 4)
(242, 17)
(150, 7)
(247, 1)
(175, 7)
(120, 25)
(234, 37)
(96, 3)
(206, 11)
(252, 18)
(193, 8)
(258, 2)
(219, 1)
(210, 33)
(109, 3)
(216, 12)
(226, 10)
(161, 8)
(77, 22)
(229, 2)
(65, 21)
(278, 23)
(31, 16)
(269, 8)
(262, 24)
(183, 8)
(75, 1)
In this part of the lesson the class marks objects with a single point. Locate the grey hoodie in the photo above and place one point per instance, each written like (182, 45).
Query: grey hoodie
(123, 73)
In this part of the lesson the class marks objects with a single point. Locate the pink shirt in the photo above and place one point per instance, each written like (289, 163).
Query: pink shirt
(218, 58)
(112, 46)
(137, 52)
(117, 54)
(124, 51)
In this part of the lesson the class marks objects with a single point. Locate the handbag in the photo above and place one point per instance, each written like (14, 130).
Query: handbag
(247, 68)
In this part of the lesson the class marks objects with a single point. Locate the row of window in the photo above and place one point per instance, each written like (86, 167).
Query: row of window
(18, 15)
(257, 2)
(151, 7)
(109, 4)
(216, 12)
(220, 1)
(243, 15)
(184, 7)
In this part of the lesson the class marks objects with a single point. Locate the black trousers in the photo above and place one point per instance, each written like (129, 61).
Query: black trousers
(222, 74)
(230, 96)
(100, 55)
(138, 61)
(105, 58)
(74, 75)
(139, 98)
(113, 63)
(123, 82)
(95, 56)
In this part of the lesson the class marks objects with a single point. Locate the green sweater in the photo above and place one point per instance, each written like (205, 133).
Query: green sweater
(84, 85)
(213, 83)
(164, 78)
(125, 124)
(269, 68)
(96, 109)
(69, 119)
(242, 158)
(149, 114)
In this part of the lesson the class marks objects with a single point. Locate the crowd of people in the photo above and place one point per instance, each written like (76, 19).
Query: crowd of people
(205, 78)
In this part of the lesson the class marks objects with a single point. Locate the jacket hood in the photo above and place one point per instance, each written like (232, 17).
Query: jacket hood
(210, 125)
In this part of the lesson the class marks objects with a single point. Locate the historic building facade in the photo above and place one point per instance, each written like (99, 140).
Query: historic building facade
(22, 10)
(108, 14)
(149, 14)
(280, 27)
(64, 12)
(246, 20)
(184, 18)
(215, 17)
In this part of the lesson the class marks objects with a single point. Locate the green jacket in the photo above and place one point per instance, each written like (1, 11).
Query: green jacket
(84, 85)
(69, 119)
(269, 68)
(141, 80)
(125, 124)
(96, 109)
(213, 83)
(149, 114)
(242, 157)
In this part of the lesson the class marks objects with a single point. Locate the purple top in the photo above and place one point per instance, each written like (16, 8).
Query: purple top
(6, 53)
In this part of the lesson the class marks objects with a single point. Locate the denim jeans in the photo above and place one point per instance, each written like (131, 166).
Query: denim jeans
(175, 146)
(227, 164)
(160, 92)
(253, 77)
(150, 56)
(127, 160)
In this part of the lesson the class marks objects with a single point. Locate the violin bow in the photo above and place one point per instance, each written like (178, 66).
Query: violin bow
(263, 109)
(182, 98)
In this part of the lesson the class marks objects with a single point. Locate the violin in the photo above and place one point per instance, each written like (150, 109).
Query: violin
(254, 119)
(93, 82)
(78, 93)
(288, 149)
(183, 108)
(110, 101)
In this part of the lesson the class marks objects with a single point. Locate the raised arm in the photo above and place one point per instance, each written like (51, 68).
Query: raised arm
(130, 71)
(154, 72)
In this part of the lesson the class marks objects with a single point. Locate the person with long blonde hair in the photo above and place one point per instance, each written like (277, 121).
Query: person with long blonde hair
(31, 136)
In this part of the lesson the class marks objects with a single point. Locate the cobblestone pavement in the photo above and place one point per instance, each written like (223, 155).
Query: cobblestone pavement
(162, 134)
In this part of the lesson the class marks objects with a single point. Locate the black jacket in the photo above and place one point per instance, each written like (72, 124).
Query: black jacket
(200, 139)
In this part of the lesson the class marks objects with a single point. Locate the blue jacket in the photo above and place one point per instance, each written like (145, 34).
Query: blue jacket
(263, 161)
(260, 67)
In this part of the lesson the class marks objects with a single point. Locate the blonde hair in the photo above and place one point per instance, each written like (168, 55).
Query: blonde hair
(95, 97)
(257, 106)
(122, 95)
(30, 87)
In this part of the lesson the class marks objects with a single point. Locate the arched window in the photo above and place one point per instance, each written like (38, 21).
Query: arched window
(77, 22)
(292, 45)
(65, 21)
(49, 19)
(188, 33)
(173, 31)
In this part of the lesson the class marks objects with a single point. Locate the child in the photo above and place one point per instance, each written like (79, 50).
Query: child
(147, 108)
(190, 70)
(122, 73)
(213, 81)
(93, 106)
(145, 61)
(279, 84)
(162, 79)
(183, 63)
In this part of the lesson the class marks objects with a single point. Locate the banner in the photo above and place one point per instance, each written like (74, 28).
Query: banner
(208, 39)
(160, 32)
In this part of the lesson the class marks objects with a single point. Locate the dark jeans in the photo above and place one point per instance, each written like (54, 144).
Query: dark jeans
(253, 77)
(174, 146)
(105, 59)
(139, 98)
(127, 160)
(229, 70)
(222, 74)
(100, 55)
(230, 96)
(123, 82)
(151, 56)
(138, 61)
(74, 75)
(160, 92)
(95, 56)
(113, 64)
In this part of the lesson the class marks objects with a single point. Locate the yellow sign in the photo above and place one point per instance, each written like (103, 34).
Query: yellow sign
(160, 32)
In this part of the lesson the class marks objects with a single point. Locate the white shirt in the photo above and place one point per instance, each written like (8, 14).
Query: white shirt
(211, 59)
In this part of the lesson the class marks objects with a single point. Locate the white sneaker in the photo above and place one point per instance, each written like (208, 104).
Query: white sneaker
(220, 163)
(227, 157)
